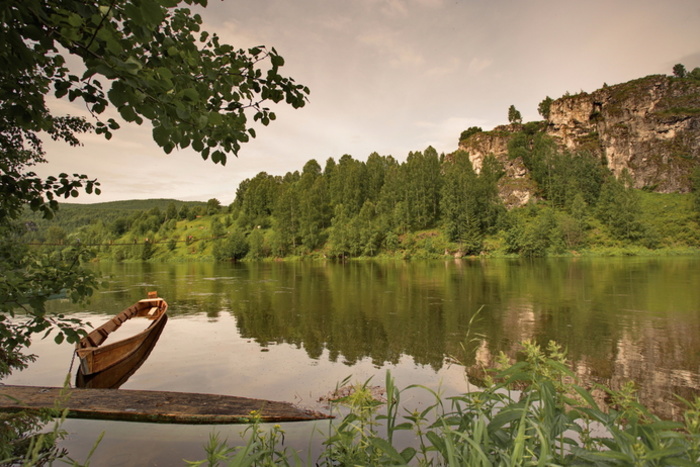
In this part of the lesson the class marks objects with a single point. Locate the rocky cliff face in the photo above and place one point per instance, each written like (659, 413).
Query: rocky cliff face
(649, 126)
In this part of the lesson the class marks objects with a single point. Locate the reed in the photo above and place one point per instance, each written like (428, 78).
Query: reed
(532, 412)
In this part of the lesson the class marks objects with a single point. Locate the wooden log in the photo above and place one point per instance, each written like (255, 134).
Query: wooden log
(151, 406)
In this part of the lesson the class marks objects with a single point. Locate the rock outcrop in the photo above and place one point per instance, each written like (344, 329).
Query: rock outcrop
(649, 126)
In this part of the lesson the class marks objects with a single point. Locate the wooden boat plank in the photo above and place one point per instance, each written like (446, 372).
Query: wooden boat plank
(151, 406)
(97, 355)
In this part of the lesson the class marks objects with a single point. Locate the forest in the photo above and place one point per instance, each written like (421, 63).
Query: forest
(429, 206)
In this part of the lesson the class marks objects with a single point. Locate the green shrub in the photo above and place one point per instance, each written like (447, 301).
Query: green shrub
(531, 412)
(469, 131)
(233, 247)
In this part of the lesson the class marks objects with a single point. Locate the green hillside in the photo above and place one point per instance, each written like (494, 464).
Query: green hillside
(429, 206)
(72, 216)
(527, 196)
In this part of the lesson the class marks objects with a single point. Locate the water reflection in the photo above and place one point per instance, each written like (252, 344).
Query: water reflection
(620, 319)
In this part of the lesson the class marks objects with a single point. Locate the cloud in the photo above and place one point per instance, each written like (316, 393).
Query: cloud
(335, 23)
(478, 64)
(443, 135)
(446, 68)
(401, 8)
(394, 76)
(430, 3)
(397, 53)
(395, 8)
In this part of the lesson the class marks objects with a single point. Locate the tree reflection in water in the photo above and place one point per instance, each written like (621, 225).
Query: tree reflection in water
(619, 318)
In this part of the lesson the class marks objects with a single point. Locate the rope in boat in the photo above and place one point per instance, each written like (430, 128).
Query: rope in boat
(70, 370)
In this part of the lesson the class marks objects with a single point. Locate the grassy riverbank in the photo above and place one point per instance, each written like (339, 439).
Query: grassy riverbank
(667, 226)
(531, 412)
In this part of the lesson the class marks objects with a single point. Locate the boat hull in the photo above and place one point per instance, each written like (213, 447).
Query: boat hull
(119, 373)
(96, 355)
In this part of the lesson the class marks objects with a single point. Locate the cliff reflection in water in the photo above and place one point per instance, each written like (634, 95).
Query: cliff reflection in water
(619, 319)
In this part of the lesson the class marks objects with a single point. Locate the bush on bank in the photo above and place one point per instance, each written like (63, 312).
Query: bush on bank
(531, 412)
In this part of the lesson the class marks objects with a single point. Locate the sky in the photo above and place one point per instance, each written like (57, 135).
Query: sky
(394, 76)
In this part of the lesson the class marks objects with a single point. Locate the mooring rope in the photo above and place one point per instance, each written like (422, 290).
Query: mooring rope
(70, 370)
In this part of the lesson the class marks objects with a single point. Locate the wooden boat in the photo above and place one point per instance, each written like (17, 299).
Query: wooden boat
(96, 356)
(119, 373)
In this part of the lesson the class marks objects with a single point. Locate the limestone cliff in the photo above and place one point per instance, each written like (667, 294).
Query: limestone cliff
(649, 126)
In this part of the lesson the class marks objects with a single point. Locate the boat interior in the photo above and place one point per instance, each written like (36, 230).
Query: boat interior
(146, 308)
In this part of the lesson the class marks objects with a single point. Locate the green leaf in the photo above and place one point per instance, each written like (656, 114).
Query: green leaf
(169, 3)
(383, 446)
(408, 454)
(586, 396)
(190, 94)
(218, 157)
(118, 95)
(61, 88)
(165, 73)
(403, 426)
(128, 113)
(215, 119)
(161, 136)
(436, 441)
(133, 65)
(505, 416)
(182, 112)
(276, 60)
(74, 20)
(152, 12)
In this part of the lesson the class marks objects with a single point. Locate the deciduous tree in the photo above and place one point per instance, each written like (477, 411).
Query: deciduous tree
(152, 62)
(514, 115)
(545, 107)
(619, 207)
(679, 70)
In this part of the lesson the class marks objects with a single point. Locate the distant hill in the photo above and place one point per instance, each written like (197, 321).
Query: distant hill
(72, 216)
(131, 204)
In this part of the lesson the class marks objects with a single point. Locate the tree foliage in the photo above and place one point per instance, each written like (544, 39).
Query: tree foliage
(544, 107)
(574, 207)
(695, 189)
(472, 130)
(619, 209)
(151, 61)
(679, 70)
(530, 230)
(514, 115)
(459, 217)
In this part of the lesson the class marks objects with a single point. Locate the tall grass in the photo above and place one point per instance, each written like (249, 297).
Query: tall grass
(531, 412)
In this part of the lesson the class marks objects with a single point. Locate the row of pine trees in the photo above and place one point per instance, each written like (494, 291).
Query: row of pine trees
(353, 208)
(426, 206)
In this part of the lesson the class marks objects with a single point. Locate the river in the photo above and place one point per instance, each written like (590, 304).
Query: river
(293, 331)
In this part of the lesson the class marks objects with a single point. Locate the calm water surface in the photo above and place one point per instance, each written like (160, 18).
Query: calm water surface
(293, 331)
